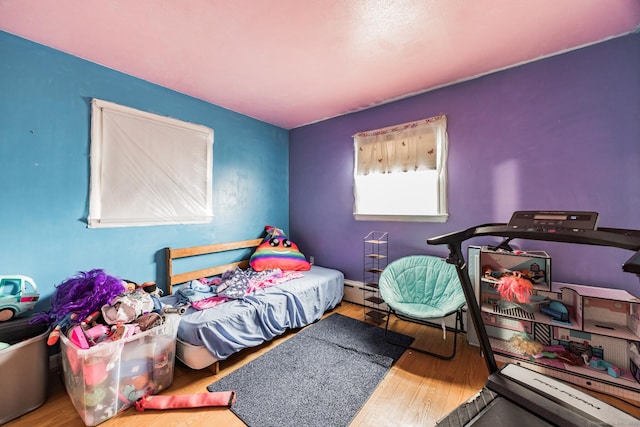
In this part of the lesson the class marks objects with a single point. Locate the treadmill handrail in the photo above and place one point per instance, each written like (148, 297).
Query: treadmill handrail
(613, 237)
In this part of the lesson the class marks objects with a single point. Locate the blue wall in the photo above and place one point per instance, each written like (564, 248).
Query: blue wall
(562, 133)
(44, 170)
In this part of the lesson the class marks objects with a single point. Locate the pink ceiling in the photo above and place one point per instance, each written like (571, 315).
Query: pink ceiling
(294, 62)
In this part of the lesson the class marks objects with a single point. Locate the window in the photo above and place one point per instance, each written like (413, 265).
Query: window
(10, 287)
(400, 172)
(148, 169)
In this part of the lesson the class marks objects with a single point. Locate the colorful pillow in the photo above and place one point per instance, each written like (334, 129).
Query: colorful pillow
(277, 251)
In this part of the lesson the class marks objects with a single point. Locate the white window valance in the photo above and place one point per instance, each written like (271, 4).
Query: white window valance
(401, 148)
(400, 172)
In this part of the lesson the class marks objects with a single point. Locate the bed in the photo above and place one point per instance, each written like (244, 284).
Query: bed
(207, 336)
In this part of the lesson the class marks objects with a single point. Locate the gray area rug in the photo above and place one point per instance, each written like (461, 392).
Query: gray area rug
(321, 376)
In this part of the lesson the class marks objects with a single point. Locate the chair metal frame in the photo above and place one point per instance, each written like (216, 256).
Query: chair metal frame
(459, 328)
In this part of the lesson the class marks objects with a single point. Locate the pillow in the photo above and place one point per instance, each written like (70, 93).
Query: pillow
(277, 251)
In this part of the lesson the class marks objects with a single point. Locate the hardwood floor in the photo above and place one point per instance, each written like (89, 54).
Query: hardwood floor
(417, 391)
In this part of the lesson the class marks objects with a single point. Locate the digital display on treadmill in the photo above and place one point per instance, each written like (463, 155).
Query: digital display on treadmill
(550, 217)
(551, 220)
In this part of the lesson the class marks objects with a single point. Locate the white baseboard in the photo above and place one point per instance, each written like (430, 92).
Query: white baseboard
(353, 291)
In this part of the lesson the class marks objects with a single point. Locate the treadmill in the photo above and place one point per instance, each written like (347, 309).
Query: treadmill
(515, 395)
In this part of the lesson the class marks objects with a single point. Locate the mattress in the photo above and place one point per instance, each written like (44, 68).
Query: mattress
(214, 334)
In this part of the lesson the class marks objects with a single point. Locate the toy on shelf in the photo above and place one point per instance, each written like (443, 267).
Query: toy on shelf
(526, 345)
(517, 292)
(557, 311)
(533, 273)
(515, 288)
(602, 365)
(18, 294)
(558, 351)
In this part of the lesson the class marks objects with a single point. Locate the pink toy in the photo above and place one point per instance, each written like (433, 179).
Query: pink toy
(77, 336)
(515, 288)
(97, 331)
(214, 398)
(95, 373)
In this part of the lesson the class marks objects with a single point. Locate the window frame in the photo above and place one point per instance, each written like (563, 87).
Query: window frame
(160, 185)
(442, 145)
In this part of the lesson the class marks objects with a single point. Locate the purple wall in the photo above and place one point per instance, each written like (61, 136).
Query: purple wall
(562, 133)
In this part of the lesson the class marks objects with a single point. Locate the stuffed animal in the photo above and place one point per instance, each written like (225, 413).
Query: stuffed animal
(278, 251)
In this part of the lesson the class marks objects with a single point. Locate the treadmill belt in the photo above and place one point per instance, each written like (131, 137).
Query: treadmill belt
(464, 413)
(501, 412)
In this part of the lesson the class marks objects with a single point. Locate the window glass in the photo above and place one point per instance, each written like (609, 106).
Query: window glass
(400, 172)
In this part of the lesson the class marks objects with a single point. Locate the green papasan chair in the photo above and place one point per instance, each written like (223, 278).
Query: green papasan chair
(421, 289)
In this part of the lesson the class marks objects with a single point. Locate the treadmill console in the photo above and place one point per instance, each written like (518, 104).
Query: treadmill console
(633, 264)
(554, 221)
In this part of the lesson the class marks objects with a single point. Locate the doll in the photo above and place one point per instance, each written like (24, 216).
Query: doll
(515, 288)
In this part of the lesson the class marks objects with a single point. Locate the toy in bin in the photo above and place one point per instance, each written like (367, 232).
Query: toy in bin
(18, 294)
(108, 378)
(117, 342)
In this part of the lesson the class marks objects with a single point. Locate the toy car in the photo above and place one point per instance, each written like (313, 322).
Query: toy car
(18, 294)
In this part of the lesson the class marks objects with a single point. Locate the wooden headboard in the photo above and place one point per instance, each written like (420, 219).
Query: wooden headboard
(172, 253)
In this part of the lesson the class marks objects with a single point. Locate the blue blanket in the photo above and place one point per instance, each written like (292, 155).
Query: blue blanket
(238, 324)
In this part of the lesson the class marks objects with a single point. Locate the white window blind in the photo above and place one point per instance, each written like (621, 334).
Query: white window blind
(400, 172)
(148, 169)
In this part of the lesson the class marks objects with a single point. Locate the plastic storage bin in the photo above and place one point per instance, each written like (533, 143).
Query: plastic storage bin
(24, 367)
(108, 378)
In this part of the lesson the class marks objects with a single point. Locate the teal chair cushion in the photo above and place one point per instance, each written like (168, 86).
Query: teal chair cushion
(421, 287)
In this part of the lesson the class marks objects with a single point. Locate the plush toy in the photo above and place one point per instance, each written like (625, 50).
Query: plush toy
(277, 251)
